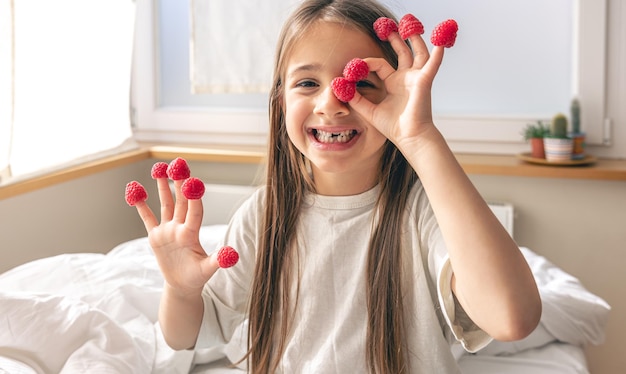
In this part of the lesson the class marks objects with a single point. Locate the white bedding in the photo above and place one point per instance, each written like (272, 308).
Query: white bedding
(77, 313)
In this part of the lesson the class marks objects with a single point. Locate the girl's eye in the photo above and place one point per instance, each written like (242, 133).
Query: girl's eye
(365, 84)
(306, 84)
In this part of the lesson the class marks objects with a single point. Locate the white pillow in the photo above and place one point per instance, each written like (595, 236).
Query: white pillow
(571, 314)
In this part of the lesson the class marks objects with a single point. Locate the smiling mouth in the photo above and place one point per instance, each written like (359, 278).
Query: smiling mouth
(334, 137)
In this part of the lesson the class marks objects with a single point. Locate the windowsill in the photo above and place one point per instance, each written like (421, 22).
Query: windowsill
(499, 165)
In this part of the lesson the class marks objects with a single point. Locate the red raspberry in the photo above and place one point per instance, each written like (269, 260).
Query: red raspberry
(227, 257)
(384, 27)
(178, 169)
(193, 188)
(159, 170)
(444, 34)
(135, 193)
(343, 89)
(409, 25)
(356, 70)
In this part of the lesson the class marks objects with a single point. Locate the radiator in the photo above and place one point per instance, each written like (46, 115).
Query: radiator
(505, 214)
(221, 200)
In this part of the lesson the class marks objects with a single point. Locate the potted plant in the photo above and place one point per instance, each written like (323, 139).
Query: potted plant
(534, 133)
(558, 146)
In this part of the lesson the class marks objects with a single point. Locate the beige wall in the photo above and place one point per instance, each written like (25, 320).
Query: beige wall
(88, 214)
(579, 225)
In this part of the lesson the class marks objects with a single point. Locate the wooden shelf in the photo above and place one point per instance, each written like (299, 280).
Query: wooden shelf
(241, 155)
(602, 169)
(502, 165)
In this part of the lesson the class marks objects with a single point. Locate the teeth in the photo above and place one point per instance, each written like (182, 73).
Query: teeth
(334, 137)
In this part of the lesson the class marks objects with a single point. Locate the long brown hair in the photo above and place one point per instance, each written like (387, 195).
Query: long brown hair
(288, 180)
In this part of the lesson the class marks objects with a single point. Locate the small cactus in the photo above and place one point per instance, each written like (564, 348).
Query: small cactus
(575, 116)
(558, 127)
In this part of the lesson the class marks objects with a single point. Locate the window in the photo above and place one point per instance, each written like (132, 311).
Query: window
(65, 77)
(493, 82)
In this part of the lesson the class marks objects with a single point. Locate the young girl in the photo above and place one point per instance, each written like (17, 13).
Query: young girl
(368, 249)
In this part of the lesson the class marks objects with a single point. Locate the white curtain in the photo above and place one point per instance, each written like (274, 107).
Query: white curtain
(233, 44)
(69, 72)
(6, 85)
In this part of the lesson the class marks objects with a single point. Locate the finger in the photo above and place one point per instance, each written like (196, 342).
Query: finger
(195, 211)
(148, 218)
(431, 67)
(165, 198)
(420, 51)
(405, 55)
(180, 208)
(380, 66)
(209, 265)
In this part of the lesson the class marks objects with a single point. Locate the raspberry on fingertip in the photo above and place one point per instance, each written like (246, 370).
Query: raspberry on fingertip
(227, 257)
(193, 188)
(409, 25)
(135, 193)
(444, 34)
(178, 169)
(159, 170)
(343, 89)
(384, 26)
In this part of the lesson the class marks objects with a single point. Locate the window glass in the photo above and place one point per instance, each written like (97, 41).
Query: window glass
(514, 63)
(494, 69)
(67, 87)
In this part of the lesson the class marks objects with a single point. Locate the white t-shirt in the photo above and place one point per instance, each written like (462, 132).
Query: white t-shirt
(328, 334)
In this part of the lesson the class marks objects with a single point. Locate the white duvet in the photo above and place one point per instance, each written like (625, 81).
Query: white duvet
(95, 313)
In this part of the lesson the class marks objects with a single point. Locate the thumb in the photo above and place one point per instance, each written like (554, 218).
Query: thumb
(209, 265)
(363, 107)
(226, 257)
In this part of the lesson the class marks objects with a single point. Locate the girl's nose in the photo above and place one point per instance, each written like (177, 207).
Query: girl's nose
(328, 105)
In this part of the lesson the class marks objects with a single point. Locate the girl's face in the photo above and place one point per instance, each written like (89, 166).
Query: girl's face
(343, 149)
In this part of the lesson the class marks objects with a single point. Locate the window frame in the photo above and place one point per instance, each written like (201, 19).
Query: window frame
(469, 134)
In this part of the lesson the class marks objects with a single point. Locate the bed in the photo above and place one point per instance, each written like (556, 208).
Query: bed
(97, 313)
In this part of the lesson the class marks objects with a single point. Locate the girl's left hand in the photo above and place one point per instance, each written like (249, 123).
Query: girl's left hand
(406, 112)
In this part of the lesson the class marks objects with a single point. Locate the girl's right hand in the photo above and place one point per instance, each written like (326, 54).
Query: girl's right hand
(405, 114)
(176, 240)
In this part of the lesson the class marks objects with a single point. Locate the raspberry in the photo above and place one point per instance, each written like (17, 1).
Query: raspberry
(384, 26)
(444, 34)
(343, 88)
(135, 193)
(356, 70)
(159, 170)
(178, 169)
(193, 188)
(227, 257)
(409, 25)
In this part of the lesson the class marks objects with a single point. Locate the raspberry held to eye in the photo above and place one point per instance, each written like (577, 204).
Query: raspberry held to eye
(178, 169)
(159, 170)
(227, 257)
(409, 25)
(444, 34)
(193, 188)
(384, 26)
(343, 89)
(135, 193)
(356, 70)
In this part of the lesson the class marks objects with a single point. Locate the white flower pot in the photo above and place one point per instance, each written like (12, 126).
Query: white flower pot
(558, 149)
